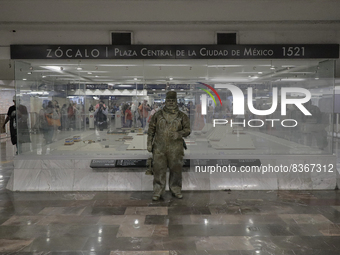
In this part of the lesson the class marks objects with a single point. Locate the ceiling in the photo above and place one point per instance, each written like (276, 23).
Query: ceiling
(172, 71)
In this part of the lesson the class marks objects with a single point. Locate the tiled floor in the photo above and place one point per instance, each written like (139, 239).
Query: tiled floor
(129, 223)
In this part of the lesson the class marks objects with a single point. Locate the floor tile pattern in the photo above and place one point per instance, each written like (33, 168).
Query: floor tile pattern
(130, 223)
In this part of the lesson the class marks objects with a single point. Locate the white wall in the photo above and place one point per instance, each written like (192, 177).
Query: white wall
(168, 22)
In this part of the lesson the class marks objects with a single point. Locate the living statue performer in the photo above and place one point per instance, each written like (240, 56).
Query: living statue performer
(167, 128)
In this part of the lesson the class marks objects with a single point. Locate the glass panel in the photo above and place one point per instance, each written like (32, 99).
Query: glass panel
(59, 113)
(252, 122)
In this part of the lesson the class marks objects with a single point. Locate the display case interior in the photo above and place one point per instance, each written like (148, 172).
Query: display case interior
(90, 108)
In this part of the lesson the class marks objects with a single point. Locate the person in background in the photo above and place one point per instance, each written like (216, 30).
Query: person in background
(101, 116)
(143, 110)
(133, 111)
(123, 119)
(128, 117)
(91, 108)
(43, 125)
(100, 102)
(56, 128)
(191, 113)
(11, 117)
(18, 118)
(154, 110)
(70, 115)
(51, 113)
(64, 119)
(210, 113)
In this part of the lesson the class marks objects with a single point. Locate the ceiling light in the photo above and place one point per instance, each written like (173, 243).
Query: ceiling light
(29, 73)
(53, 68)
(24, 79)
(224, 65)
(43, 76)
(171, 78)
(79, 68)
(96, 76)
(272, 67)
(89, 73)
(316, 78)
(135, 79)
(260, 72)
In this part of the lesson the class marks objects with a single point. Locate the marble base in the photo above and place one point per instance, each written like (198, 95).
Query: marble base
(76, 175)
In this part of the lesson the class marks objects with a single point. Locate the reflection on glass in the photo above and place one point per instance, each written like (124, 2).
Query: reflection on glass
(104, 108)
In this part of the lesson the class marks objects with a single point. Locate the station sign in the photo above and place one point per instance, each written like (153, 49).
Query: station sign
(255, 51)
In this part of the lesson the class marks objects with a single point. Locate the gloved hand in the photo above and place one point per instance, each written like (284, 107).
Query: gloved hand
(149, 148)
(176, 135)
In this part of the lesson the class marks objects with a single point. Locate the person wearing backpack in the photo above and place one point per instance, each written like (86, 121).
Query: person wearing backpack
(101, 116)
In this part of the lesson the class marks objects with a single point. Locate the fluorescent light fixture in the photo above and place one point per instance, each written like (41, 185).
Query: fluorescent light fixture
(117, 65)
(79, 68)
(89, 73)
(24, 79)
(224, 65)
(125, 86)
(135, 79)
(291, 79)
(38, 93)
(231, 79)
(53, 68)
(175, 65)
(171, 78)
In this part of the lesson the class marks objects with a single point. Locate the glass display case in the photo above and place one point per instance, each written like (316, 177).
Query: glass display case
(70, 92)
(242, 113)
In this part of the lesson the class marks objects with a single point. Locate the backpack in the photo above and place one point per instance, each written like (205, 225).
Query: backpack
(101, 117)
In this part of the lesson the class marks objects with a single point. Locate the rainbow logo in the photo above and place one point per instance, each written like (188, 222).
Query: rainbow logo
(204, 97)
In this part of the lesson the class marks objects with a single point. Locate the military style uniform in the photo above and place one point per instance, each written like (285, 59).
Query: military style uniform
(167, 128)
